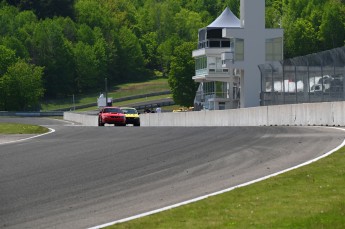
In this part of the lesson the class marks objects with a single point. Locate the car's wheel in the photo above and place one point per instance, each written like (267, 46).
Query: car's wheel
(100, 123)
(137, 124)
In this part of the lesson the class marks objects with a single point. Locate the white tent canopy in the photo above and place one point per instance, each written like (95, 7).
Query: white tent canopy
(226, 20)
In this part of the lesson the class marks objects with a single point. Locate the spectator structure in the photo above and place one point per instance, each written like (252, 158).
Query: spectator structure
(228, 55)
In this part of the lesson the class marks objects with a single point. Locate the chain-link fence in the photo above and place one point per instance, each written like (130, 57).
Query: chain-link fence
(317, 77)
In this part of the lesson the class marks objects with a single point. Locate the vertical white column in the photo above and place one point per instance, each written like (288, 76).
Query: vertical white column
(253, 22)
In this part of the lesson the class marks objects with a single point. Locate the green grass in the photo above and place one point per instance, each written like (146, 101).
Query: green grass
(312, 197)
(16, 128)
(119, 91)
(128, 89)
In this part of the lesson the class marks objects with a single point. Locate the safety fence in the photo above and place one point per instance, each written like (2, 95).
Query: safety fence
(317, 77)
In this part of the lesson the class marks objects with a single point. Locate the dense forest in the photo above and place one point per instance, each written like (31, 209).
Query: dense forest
(53, 49)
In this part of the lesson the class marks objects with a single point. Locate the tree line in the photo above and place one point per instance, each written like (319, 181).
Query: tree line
(54, 49)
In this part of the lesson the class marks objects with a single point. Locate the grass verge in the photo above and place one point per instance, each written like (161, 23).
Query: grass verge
(312, 196)
(16, 128)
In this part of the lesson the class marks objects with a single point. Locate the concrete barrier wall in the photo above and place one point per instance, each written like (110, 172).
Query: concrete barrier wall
(83, 119)
(318, 114)
(339, 114)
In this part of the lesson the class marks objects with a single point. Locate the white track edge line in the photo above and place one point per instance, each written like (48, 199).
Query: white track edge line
(25, 139)
(222, 191)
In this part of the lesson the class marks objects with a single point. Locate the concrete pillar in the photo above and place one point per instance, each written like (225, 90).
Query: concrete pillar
(253, 22)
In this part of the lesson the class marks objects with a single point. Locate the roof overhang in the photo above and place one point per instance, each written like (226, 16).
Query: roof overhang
(211, 78)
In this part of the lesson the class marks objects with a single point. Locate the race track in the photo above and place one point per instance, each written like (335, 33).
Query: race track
(79, 177)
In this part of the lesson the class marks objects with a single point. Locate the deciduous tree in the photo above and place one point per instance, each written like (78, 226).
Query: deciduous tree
(180, 78)
(7, 58)
(46, 8)
(53, 51)
(131, 61)
(21, 87)
(332, 28)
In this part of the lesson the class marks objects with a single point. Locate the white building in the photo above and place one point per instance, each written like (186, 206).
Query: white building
(229, 52)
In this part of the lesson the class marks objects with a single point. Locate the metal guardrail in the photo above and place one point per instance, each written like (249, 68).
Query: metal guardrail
(154, 105)
(31, 113)
(140, 107)
(117, 100)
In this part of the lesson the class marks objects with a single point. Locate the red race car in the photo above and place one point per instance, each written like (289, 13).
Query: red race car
(111, 115)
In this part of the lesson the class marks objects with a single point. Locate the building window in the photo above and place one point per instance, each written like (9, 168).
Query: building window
(214, 43)
(221, 105)
(274, 49)
(225, 43)
(220, 89)
(200, 63)
(215, 89)
(239, 49)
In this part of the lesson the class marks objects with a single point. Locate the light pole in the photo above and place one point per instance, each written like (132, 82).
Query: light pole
(106, 92)
(73, 102)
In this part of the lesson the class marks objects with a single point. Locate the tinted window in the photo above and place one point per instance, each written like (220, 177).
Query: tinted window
(129, 111)
(112, 110)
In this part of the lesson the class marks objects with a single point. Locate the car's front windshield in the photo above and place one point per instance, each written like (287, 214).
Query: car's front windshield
(112, 110)
(129, 111)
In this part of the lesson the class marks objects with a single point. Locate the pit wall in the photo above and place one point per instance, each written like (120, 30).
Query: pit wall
(308, 114)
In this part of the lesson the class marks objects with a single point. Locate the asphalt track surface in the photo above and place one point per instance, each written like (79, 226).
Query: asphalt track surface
(79, 177)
